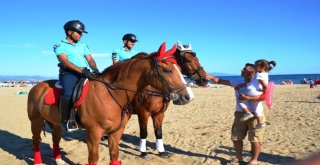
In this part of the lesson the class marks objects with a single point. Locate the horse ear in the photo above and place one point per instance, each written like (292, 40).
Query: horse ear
(180, 46)
(171, 51)
(162, 50)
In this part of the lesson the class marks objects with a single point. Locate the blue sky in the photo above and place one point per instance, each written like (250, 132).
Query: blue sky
(225, 34)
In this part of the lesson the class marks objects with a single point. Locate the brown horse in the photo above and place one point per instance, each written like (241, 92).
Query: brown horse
(104, 108)
(152, 103)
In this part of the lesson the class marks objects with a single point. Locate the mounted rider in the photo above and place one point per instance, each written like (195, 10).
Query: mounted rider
(126, 51)
(74, 58)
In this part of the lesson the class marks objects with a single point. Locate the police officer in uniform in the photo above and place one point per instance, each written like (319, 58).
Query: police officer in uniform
(126, 51)
(74, 58)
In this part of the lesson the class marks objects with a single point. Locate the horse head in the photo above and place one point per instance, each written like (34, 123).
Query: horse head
(190, 65)
(168, 72)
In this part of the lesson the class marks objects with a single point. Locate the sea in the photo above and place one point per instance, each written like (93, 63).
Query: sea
(296, 78)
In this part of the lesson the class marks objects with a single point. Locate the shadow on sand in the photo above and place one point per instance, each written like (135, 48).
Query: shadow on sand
(311, 102)
(264, 157)
(21, 148)
(217, 154)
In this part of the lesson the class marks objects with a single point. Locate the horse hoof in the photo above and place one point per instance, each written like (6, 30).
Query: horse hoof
(165, 155)
(144, 155)
(60, 162)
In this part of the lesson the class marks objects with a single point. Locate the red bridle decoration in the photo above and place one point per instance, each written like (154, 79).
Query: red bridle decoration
(166, 56)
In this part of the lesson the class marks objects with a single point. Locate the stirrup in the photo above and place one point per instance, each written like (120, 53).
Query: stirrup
(74, 123)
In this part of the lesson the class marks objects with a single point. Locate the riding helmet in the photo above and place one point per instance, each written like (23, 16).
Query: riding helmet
(75, 25)
(130, 37)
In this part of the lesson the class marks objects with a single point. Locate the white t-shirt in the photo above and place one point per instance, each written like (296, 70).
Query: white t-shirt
(254, 105)
(254, 88)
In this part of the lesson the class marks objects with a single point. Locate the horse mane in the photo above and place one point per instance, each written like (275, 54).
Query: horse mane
(121, 69)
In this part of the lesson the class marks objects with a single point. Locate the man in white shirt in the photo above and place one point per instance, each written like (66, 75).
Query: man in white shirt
(241, 129)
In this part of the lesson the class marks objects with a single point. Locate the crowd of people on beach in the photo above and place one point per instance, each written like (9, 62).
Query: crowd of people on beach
(9, 84)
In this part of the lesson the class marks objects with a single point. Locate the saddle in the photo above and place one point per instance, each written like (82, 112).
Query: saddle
(79, 93)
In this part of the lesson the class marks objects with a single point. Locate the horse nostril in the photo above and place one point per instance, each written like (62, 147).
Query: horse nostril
(186, 97)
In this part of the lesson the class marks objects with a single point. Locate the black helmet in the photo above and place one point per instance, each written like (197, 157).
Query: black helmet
(75, 25)
(130, 37)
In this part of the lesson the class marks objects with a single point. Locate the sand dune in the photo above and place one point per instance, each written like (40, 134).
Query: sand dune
(197, 133)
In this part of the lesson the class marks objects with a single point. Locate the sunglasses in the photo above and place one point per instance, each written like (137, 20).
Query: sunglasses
(133, 41)
(244, 69)
(80, 33)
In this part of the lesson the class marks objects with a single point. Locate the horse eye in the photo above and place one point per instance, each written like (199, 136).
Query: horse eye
(167, 70)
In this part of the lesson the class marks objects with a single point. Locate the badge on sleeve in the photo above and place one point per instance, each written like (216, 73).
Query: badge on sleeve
(56, 46)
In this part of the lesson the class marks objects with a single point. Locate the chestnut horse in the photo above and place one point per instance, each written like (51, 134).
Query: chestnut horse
(104, 109)
(152, 103)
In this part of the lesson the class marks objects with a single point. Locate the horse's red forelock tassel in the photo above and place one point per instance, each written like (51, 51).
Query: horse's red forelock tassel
(56, 152)
(37, 156)
(115, 162)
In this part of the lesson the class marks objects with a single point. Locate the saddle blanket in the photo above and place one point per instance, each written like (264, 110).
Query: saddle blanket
(53, 95)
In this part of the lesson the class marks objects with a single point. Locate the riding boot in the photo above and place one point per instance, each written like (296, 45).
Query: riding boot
(64, 107)
(66, 122)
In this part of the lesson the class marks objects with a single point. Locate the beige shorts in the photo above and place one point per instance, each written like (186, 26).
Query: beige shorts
(241, 129)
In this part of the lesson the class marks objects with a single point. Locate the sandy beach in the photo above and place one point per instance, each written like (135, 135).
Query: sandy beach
(196, 133)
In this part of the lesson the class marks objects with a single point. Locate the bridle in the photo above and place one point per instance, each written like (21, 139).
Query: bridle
(170, 93)
(182, 60)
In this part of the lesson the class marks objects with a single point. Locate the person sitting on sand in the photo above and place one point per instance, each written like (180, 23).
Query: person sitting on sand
(256, 87)
(241, 129)
(311, 82)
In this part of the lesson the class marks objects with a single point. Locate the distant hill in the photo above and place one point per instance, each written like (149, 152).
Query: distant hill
(17, 78)
(222, 74)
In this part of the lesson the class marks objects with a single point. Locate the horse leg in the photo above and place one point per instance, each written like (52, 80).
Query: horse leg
(113, 141)
(56, 137)
(143, 124)
(36, 128)
(93, 140)
(157, 125)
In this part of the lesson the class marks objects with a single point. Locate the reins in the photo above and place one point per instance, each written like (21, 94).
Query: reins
(168, 95)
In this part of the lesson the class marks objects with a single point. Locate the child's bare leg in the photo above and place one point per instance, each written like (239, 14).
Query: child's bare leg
(260, 119)
(245, 110)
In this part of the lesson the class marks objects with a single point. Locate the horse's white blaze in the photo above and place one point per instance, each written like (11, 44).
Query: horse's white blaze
(184, 81)
(160, 146)
(143, 145)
